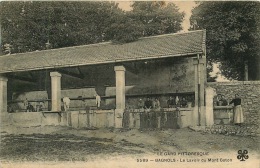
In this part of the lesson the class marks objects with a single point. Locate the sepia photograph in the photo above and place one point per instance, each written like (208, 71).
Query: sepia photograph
(129, 84)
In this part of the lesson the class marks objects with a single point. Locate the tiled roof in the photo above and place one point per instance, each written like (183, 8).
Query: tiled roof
(168, 45)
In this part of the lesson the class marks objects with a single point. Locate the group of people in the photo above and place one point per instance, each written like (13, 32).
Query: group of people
(30, 108)
(65, 104)
(149, 103)
(174, 102)
(221, 100)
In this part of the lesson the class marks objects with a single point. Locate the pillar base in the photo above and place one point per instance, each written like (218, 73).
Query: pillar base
(119, 118)
(195, 116)
(202, 116)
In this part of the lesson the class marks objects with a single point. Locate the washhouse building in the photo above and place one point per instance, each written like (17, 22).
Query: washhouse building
(122, 75)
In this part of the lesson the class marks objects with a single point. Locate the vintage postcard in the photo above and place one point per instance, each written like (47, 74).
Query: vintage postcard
(129, 84)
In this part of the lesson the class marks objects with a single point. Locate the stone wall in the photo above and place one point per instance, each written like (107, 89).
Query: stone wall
(74, 119)
(30, 119)
(249, 92)
(169, 76)
(223, 115)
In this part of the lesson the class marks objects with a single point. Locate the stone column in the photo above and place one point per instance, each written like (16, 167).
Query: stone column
(209, 115)
(203, 79)
(199, 83)
(3, 94)
(120, 95)
(55, 91)
(195, 115)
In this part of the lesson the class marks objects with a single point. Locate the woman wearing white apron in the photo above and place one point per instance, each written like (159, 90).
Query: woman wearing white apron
(238, 112)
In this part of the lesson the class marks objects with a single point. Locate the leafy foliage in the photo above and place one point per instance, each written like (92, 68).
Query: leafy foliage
(125, 30)
(233, 35)
(157, 17)
(29, 26)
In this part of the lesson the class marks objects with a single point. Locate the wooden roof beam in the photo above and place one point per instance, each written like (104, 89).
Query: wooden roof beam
(73, 74)
(22, 78)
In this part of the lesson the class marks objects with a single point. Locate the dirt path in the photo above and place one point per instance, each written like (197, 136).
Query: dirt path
(63, 144)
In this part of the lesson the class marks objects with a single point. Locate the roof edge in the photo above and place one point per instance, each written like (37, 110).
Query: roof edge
(105, 62)
(38, 51)
(102, 43)
(162, 35)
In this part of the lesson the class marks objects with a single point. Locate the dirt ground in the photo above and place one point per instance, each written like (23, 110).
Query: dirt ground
(59, 144)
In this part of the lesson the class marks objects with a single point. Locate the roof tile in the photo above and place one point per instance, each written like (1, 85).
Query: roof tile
(168, 45)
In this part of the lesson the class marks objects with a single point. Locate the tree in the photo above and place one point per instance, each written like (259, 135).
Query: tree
(146, 19)
(30, 26)
(125, 30)
(158, 17)
(233, 36)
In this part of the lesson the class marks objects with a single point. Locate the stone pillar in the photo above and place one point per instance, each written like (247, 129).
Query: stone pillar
(209, 115)
(202, 72)
(199, 83)
(120, 95)
(3, 94)
(55, 91)
(195, 115)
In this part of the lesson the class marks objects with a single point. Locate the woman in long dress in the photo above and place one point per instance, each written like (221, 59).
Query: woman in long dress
(238, 111)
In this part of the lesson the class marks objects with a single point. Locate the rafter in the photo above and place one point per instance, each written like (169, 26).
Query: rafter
(73, 74)
(80, 72)
(22, 78)
(130, 69)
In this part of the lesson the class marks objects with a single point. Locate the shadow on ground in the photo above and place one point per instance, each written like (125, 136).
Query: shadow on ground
(59, 147)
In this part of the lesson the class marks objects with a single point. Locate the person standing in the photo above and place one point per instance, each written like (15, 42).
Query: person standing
(156, 104)
(219, 102)
(238, 112)
(26, 104)
(148, 104)
(177, 100)
(170, 102)
(224, 100)
(98, 101)
(66, 103)
(183, 103)
(140, 104)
